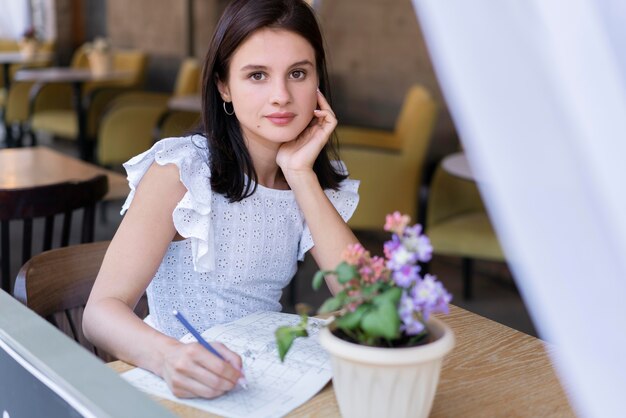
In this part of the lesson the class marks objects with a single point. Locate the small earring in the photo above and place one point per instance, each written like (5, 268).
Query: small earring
(232, 112)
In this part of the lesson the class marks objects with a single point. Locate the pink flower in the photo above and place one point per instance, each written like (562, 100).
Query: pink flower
(355, 295)
(396, 222)
(353, 254)
(380, 271)
(367, 274)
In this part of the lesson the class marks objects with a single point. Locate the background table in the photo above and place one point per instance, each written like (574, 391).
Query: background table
(492, 371)
(76, 77)
(38, 166)
(8, 58)
(457, 165)
(190, 103)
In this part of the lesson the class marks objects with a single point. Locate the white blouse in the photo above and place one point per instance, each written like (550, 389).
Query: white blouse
(236, 257)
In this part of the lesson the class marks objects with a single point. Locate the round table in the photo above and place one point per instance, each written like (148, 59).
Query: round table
(457, 165)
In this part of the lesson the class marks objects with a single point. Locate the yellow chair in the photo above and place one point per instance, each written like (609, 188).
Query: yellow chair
(458, 225)
(61, 121)
(176, 123)
(127, 127)
(6, 45)
(9, 45)
(53, 96)
(390, 165)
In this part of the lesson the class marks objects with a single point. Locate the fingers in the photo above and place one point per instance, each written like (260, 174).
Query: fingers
(323, 103)
(325, 116)
(230, 356)
(325, 119)
(186, 387)
(192, 371)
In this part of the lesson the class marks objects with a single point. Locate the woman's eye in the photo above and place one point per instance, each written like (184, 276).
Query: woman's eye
(297, 74)
(257, 76)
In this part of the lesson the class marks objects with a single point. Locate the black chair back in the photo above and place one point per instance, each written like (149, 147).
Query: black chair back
(48, 202)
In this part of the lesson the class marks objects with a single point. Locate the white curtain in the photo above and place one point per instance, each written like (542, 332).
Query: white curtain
(14, 18)
(537, 90)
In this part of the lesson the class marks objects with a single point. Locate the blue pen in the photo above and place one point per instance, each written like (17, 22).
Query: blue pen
(204, 343)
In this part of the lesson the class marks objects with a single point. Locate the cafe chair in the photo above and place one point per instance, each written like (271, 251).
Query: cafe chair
(36, 209)
(22, 88)
(127, 127)
(6, 45)
(54, 96)
(458, 225)
(61, 120)
(390, 164)
(56, 284)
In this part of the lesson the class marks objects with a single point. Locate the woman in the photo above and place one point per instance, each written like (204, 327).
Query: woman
(216, 222)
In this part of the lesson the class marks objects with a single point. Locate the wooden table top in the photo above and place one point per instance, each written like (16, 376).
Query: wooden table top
(190, 103)
(457, 165)
(39, 166)
(19, 58)
(492, 371)
(67, 75)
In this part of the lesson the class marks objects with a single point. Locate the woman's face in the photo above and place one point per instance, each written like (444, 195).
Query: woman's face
(272, 83)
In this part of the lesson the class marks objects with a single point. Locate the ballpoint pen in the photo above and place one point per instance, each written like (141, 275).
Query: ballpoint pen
(242, 380)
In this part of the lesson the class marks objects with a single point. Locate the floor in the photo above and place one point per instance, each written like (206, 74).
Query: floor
(495, 294)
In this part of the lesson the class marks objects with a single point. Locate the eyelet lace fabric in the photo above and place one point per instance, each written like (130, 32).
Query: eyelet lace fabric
(236, 257)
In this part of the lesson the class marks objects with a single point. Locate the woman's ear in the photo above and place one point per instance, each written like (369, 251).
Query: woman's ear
(223, 89)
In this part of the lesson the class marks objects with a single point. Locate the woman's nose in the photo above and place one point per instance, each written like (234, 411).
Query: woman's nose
(280, 93)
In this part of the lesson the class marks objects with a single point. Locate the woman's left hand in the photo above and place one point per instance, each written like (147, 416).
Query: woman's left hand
(300, 154)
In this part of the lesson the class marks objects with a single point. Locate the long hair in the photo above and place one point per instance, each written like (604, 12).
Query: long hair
(230, 161)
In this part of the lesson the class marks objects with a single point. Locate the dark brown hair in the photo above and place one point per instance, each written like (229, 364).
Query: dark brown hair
(230, 160)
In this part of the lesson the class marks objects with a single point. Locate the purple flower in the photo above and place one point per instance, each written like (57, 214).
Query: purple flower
(399, 256)
(413, 328)
(415, 242)
(430, 296)
(391, 246)
(406, 275)
(407, 311)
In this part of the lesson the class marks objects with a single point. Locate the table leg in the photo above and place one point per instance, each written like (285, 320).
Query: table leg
(5, 278)
(83, 145)
(6, 75)
(6, 67)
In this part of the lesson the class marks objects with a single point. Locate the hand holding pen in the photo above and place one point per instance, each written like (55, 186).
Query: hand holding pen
(242, 380)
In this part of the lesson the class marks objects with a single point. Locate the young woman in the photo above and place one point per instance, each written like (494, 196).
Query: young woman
(216, 222)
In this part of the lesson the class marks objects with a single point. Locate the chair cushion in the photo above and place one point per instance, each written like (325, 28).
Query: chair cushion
(466, 235)
(62, 123)
(374, 138)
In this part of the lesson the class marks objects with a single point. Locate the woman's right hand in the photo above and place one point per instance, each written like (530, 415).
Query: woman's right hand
(191, 371)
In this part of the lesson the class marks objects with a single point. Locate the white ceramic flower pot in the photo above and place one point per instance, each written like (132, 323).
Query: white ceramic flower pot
(387, 382)
(100, 63)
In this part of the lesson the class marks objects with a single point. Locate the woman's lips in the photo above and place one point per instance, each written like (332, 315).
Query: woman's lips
(280, 118)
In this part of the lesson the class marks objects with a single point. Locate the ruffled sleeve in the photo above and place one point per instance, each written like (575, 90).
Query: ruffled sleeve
(345, 200)
(191, 215)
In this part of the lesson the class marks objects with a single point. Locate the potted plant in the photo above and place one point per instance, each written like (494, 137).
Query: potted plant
(29, 43)
(99, 56)
(386, 349)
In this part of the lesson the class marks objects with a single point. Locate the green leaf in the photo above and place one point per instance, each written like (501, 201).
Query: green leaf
(318, 279)
(372, 289)
(392, 296)
(285, 337)
(351, 320)
(345, 272)
(334, 303)
(382, 321)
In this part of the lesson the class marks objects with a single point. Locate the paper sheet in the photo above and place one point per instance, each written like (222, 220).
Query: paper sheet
(274, 388)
